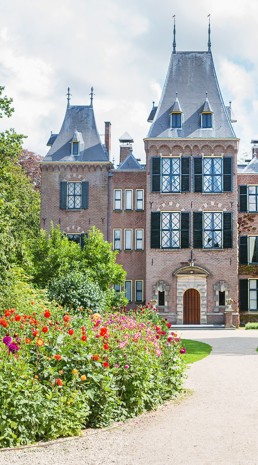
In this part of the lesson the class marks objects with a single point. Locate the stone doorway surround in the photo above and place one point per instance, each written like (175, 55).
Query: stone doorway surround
(191, 277)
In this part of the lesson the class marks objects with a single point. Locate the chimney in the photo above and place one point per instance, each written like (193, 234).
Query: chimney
(254, 148)
(126, 146)
(108, 136)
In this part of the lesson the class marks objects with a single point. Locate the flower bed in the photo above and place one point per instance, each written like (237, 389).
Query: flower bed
(62, 372)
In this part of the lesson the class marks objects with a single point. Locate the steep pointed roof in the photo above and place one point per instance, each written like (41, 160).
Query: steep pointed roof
(191, 74)
(78, 120)
(176, 107)
(130, 164)
(126, 137)
(252, 167)
(207, 107)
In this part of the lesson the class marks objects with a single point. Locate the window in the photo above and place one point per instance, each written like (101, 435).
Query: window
(139, 234)
(170, 230)
(253, 294)
(78, 238)
(171, 174)
(117, 287)
(75, 148)
(212, 175)
(128, 290)
(253, 198)
(212, 230)
(252, 249)
(139, 199)
(117, 239)
(128, 245)
(138, 291)
(176, 120)
(128, 199)
(117, 199)
(74, 195)
(221, 298)
(161, 298)
(206, 120)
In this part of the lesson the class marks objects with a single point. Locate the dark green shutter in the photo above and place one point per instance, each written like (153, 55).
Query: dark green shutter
(155, 230)
(243, 198)
(243, 250)
(63, 195)
(85, 194)
(197, 174)
(227, 230)
(243, 295)
(227, 174)
(83, 239)
(185, 170)
(185, 230)
(155, 174)
(197, 230)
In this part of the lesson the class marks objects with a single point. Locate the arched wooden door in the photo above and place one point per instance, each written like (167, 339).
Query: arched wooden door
(192, 307)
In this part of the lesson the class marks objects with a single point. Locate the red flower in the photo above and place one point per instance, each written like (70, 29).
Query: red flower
(71, 332)
(17, 317)
(47, 314)
(83, 329)
(57, 357)
(105, 364)
(35, 333)
(95, 357)
(45, 329)
(84, 338)
(7, 313)
(3, 322)
(66, 318)
(106, 346)
(103, 332)
(28, 340)
(59, 382)
(168, 325)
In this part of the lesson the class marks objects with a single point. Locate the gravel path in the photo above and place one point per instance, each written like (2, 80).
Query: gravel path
(216, 425)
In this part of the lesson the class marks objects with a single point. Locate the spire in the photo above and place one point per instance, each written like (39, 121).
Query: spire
(174, 34)
(91, 96)
(209, 34)
(68, 97)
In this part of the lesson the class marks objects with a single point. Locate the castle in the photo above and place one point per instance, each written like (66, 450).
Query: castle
(185, 225)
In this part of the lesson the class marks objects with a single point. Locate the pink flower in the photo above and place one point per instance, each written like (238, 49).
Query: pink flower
(182, 350)
(126, 367)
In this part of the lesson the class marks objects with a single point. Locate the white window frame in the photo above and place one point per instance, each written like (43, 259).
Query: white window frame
(135, 289)
(126, 232)
(125, 291)
(139, 200)
(117, 200)
(120, 239)
(142, 239)
(249, 238)
(254, 289)
(252, 195)
(127, 191)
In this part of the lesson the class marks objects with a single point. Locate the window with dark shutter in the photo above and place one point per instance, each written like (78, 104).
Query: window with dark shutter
(185, 182)
(197, 230)
(243, 250)
(227, 174)
(185, 230)
(227, 230)
(197, 174)
(243, 198)
(155, 230)
(243, 295)
(85, 194)
(156, 174)
(63, 195)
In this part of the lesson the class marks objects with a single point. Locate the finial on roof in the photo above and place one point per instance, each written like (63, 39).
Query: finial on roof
(68, 97)
(91, 96)
(153, 104)
(209, 33)
(206, 95)
(174, 34)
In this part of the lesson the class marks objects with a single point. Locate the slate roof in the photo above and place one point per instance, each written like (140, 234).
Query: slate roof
(152, 113)
(130, 164)
(252, 167)
(126, 137)
(79, 121)
(176, 107)
(191, 75)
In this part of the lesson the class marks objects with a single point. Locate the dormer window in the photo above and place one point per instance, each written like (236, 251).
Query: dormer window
(207, 120)
(176, 120)
(75, 148)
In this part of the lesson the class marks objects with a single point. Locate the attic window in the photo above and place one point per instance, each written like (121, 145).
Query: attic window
(206, 120)
(176, 120)
(75, 148)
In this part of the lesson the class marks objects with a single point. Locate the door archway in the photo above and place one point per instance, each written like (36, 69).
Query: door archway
(191, 307)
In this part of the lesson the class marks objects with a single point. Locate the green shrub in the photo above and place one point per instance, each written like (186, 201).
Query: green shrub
(251, 326)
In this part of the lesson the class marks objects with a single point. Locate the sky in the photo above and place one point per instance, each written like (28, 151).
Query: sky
(122, 49)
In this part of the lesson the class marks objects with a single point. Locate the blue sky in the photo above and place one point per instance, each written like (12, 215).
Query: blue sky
(121, 48)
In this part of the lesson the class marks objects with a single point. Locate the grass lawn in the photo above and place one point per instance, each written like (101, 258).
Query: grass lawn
(195, 350)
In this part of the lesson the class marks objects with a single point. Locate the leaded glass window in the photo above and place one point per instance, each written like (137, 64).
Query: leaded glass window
(171, 174)
(212, 234)
(138, 291)
(74, 195)
(170, 230)
(253, 198)
(212, 175)
(253, 294)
